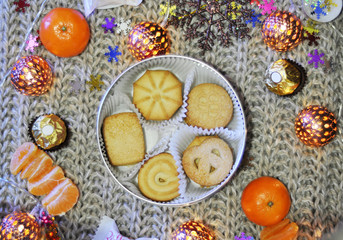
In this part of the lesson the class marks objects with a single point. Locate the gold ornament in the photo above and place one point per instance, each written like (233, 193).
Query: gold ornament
(148, 39)
(315, 126)
(31, 75)
(193, 230)
(19, 226)
(282, 31)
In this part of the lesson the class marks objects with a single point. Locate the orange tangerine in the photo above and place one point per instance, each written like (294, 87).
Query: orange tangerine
(62, 198)
(35, 164)
(47, 183)
(22, 156)
(284, 230)
(44, 166)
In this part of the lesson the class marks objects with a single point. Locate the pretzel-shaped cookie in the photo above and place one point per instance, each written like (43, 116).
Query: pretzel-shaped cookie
(209, 163)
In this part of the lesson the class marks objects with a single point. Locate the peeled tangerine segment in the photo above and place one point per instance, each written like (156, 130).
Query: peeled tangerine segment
(62, 198)
(47, 183)
(22, 156)
(44, 166)
(41, 159)
(285, 230)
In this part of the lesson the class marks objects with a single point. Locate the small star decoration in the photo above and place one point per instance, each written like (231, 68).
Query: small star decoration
(316, 58)
(31, 43)
(311, 27)
(255, 1)
(21, 5)
(95, 82)
(243, 237)
(311, 38)
(268, 7)
(113, 54)
(318, 9)
(109, 25)
(254, 19)
(123, 26)
(76, 86)
(328, 4)
(164, 8)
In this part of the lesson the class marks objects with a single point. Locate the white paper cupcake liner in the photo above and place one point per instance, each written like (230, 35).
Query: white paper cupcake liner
(180, 141)
(133, 185)
(201, 77)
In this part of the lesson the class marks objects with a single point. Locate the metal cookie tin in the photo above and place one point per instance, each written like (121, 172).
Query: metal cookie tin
(161, 137)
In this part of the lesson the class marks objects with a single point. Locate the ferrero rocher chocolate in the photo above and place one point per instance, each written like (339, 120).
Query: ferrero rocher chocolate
(284, 77)
(49, 131)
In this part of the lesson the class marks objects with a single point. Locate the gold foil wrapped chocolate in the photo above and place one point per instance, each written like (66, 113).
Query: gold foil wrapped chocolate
(49, 131)
(284, 77)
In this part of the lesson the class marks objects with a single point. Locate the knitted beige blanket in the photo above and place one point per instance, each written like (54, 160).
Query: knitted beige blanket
(313, 176)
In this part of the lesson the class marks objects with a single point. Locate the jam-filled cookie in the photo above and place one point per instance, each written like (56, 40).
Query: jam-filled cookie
(209, 106)
(208, 163)
(158, 178)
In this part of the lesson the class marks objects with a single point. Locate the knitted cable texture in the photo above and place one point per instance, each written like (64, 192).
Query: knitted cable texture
(314, 176)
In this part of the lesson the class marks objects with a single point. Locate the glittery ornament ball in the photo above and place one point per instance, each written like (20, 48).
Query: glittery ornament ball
(282, 31)
(315, 126)
(19, 226)
(193, 230)
(148, 39)
(31, 75)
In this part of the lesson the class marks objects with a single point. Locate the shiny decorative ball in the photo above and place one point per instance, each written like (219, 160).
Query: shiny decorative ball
(282, 31)
(31, 75)
(315, 126)
(193, 230)
(148, 39)
(19, 226)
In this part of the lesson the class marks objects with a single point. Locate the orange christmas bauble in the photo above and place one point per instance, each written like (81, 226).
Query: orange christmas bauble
(148, 39)
(19, 226)
(31, 75)
(315, 126)
(282, 31)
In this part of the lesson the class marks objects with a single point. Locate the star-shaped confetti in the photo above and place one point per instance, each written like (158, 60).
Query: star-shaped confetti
(268, 7)
(318, 10)
(76, 86)
(113, 54)
(316, 58)
(164, 9)
(123, 26)
(235, 13)
(329, 65)
(95, 82)
(311, 27)
(311, 38)
(328, 4)
(255, 1)
(21, 5)
(109, 25)
(31, 43)
(243, 237)
(254, 19)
